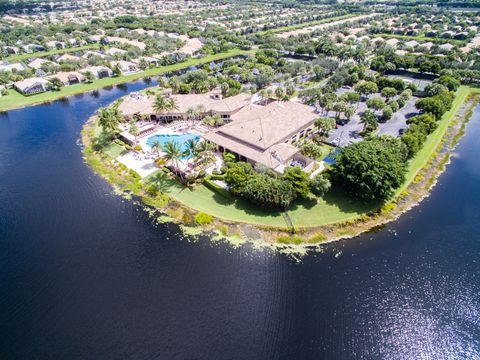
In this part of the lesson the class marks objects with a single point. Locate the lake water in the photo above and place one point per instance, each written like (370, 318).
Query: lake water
(84, 274)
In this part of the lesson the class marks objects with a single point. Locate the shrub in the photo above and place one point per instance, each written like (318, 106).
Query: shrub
(216, 188)
(295, 240)
(320, 185)
(203, 218)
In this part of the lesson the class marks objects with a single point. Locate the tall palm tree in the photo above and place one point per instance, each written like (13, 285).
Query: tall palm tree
(157, 147)
(172, 104)
(160, 105)
(206, 151)
(135, 131)
(173, 153)
(192, 150)
(109, 119)
(192, 113)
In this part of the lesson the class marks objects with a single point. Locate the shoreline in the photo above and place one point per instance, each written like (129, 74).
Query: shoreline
(15, 100)
(417, 187)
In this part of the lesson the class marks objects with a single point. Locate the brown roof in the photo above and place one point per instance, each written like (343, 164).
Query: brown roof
(208, 100)
(264, 126)
(259, 132)
(143, 104)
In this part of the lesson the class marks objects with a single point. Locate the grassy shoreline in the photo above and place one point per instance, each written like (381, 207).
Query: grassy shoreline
(329, 219)
(15, 100)
(20, 57)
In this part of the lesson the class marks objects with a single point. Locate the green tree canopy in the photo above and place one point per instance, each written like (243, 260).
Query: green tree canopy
(372, 169)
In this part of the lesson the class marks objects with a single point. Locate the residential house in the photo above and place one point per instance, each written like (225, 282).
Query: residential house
(68, 57)
(126, 67)
(69, 78)
(99, 72)
(37, 63)
(31, 86)
(6, 66)
(115, 51)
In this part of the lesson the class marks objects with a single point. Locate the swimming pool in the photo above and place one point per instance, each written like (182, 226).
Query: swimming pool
(180, 139)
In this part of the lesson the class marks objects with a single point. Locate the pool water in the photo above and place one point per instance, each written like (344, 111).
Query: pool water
(180, 139)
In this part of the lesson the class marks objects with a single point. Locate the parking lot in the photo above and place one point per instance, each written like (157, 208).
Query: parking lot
(350, 132)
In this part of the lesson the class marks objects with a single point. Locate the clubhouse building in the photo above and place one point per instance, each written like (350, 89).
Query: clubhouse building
(257, 132)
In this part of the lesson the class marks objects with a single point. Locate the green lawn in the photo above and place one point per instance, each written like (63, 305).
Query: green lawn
(307, 24)
(335, 207)
(20, 57)
(435, 138)
(16, 100)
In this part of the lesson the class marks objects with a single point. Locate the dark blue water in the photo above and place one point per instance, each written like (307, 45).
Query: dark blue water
(85, 275)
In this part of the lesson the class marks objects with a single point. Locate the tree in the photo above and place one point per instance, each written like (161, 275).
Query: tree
(160, 105)
(237, 175)
(435, 89)
(280, 93)
(369, 121)
(116, 70)
(192, 113)
(372, 169)
(268, 191)
(173, 153)
(135, 131)
(172, 104)
(157, 147)
(366, 88)
(55, 84)
(290, 90)
(387, 113)
(376, 103)
(389, 92)
(109, 119)
(324, 125)
(320, 185)
(449, 81)
(299, 181)
(89, 76)
(349, 111)
(192, 150)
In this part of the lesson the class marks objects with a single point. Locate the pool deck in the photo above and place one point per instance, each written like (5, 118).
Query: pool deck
(143, 167)
(143, 163)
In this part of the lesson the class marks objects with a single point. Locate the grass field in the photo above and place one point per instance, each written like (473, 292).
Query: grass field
(307, 24)
(16, 100)
(334, 208)
(20, 57)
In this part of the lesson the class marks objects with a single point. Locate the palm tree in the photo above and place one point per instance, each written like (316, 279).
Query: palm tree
(157, 147)
(134, 131)
(369, 121)
(192, 113)
(206, 151)
(172, 104)
(160, 105)
(109, 119)
(191, 149)
(173, 153)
